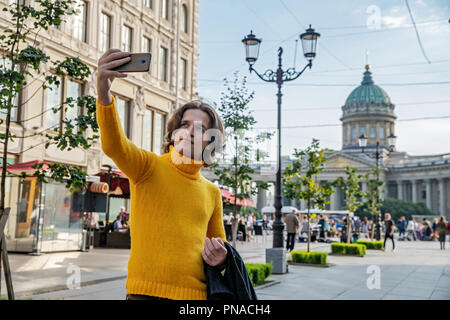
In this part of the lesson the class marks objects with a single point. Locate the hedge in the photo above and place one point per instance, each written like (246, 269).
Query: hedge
(377, 245)
(314, 257)
(258, 272)
(351, 249)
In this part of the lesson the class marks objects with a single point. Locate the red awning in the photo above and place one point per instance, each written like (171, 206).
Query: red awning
(229, 197)
(27, 166)
(118, 179)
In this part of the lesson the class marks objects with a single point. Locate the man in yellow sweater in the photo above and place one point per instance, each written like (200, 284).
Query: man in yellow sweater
(176, 214)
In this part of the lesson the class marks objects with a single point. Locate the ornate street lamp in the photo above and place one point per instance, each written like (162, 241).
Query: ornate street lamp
(392, 140)
(279, 76)
(363, 144)
(252, 45)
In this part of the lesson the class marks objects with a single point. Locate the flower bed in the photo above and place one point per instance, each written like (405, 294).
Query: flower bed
(348, 249)
(313, 257)
(372, 245)
(258, 272)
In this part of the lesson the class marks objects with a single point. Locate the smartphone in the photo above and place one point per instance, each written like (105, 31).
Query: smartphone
(140, 62)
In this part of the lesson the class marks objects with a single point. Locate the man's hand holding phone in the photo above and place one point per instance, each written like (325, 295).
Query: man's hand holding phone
(112, 58)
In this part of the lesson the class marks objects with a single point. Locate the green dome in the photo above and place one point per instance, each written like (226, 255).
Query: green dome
(368, 92)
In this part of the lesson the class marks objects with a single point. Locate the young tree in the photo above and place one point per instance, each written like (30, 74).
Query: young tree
(299, 180)
(352, 193)
(238, 122)
(373, 199)
(22, 60)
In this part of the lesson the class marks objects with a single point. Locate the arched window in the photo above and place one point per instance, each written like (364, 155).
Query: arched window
(184, 18)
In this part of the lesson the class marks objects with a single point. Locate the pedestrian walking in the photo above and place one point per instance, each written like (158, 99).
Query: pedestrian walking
(176, 214)
(411, 229)
(389, 230)
(401, 226)
(322, 227)
(264, 224)
(292, 225)
(441, 229)
(243, 228)
(304, 228)
(365, 228)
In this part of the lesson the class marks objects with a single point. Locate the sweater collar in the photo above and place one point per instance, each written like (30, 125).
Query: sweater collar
(186, 166)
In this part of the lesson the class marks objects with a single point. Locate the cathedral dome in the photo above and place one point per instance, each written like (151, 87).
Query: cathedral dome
(369, 112)
(368, 92)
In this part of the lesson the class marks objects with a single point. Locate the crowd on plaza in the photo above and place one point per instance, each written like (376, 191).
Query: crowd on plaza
(324, 228)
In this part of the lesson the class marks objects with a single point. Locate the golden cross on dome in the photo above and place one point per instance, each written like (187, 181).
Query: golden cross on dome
(367, 61)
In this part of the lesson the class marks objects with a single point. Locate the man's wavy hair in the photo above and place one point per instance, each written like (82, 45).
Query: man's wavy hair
(216, 122)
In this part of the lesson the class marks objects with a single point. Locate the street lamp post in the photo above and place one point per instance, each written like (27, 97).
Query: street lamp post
(252, 44)
(363, 144)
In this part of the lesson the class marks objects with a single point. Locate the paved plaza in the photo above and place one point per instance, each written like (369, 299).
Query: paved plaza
(415, 270)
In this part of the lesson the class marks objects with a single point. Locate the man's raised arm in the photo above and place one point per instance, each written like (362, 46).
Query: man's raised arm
(131, 160)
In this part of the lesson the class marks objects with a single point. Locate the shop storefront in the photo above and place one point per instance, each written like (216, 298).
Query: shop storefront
(44, 217)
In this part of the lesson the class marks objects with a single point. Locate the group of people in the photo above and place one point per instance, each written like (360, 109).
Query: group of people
(425, 231)
(121, 222)
(328, 227)
(246, 226)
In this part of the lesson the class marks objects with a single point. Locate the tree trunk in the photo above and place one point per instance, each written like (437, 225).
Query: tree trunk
(309, 229)
(234, 225)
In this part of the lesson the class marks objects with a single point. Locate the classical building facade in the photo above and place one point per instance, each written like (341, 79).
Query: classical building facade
(168, 29)
(369, 111)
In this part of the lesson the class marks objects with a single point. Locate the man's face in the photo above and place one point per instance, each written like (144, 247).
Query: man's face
(189, 138)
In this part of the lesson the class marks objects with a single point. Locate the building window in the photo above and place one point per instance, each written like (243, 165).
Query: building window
(146, 44)
(127, 34)
(163, 56)
(74, 90)
(105, 32)
(148, 3)
(158, 134)
(362, 131)
(381, 132)
(388, 130)
(54, 100)
(183, 75)
(373, 132)
(123, 110)
(353, 133)
(147, 130)
(6, 63)
(165, 6)
(79, 22)
(58, 95)
(184, 18)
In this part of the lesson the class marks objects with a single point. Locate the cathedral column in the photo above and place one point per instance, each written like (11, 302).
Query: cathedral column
(334, 200)
(400, 190)
(261, 200)
(414, 191)
(442, 197)
(428, 194)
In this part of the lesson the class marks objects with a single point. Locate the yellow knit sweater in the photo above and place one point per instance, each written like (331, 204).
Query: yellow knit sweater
(173, 209)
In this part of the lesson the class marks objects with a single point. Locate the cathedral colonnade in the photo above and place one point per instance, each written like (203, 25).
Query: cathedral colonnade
(434, 192)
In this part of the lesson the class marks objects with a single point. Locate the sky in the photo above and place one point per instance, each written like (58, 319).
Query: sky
(412, 67)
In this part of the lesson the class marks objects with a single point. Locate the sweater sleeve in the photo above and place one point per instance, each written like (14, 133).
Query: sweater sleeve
(135, 162)
(215, 225)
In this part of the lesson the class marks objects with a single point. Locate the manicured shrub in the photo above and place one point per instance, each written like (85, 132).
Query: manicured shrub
(375, 245)
(258, 272)
(351, 249)
(314, 257)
